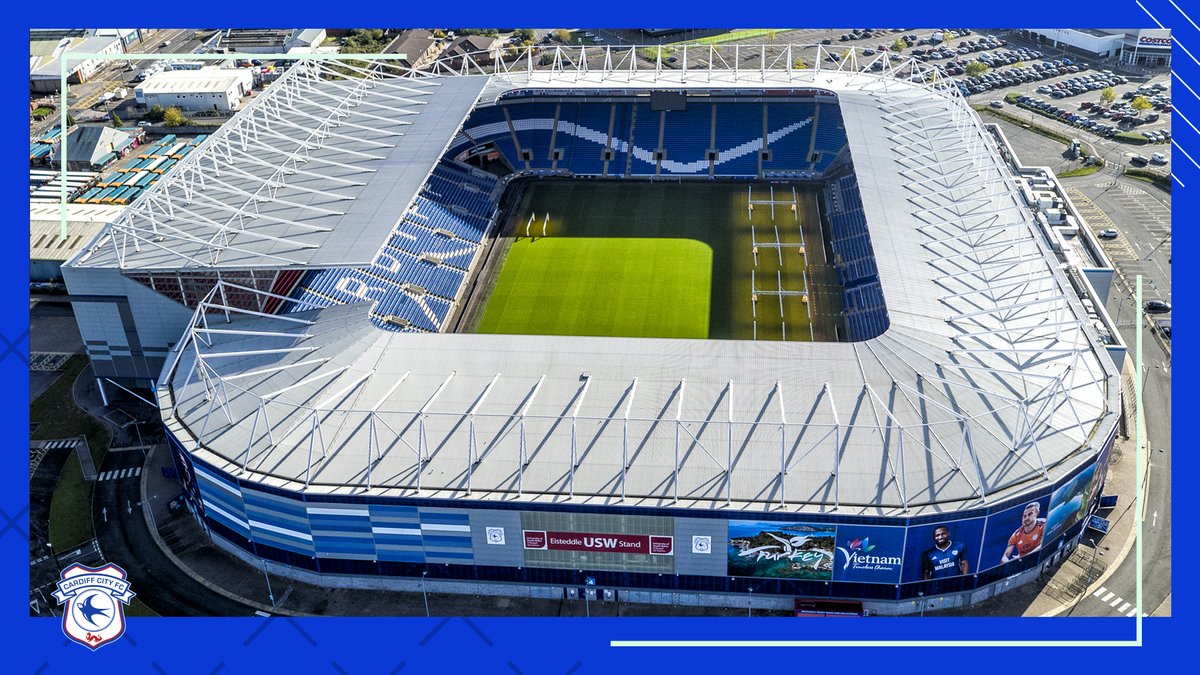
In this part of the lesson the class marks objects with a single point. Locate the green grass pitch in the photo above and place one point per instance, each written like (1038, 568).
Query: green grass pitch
(680, 260)
(617, 287)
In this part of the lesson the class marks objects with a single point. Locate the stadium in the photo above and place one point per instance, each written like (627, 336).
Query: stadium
(570, 323)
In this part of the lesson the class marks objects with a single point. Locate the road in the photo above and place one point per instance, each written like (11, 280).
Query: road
(1156, 572)
(125, 540)
(1142, 215)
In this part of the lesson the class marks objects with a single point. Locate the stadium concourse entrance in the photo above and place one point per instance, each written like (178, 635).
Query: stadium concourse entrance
(733, 259)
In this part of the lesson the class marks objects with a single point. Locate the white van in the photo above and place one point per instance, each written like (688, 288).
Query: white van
(1158, 158)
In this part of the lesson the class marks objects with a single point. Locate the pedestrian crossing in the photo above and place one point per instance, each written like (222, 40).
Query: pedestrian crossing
(60, 444)
(117, 474)
(1116, 602)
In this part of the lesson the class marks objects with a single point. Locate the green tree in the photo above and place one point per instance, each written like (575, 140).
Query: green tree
(1108, 95)
(526, 34)
(771, 35)
(439, 34)
(174, 117)
(1140, 103)
(899, 45)
(156, 113)
(799, 64)
(70, 120)
(562, 35)
(116, 119)
(976, 68)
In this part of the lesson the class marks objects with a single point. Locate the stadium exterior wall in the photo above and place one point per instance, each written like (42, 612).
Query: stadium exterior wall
(128, 329)
(689, 557)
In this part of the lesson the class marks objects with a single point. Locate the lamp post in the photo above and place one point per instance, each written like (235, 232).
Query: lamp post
(270, 593)
(749, 600)
(424, 595)
(1092, 566)
(921, 601)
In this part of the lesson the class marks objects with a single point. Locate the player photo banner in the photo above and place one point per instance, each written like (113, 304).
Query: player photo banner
(785, 550)
(1013, 533)
(866, 554)
(941, 550)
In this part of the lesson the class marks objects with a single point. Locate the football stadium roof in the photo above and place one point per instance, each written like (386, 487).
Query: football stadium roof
(988, 383)
(315, 171)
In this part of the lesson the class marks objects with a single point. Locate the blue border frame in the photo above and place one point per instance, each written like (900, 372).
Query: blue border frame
(560, 645)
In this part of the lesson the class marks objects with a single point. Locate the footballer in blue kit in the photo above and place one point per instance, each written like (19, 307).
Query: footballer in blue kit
(946, 558)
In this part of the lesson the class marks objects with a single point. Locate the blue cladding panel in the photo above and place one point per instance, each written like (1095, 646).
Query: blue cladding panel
(446, 535)
(222, 501)
(397, 533)
(279, 521)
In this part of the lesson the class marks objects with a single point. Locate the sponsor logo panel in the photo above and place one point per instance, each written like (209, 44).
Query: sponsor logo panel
(787, 550)
(869, 554)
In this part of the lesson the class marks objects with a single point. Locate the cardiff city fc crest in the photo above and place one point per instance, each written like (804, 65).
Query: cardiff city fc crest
(94, 615)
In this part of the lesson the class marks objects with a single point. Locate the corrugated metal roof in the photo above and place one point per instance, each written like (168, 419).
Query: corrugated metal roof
(349, 185)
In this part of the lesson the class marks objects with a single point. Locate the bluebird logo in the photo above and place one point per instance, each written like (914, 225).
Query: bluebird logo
(94, 614)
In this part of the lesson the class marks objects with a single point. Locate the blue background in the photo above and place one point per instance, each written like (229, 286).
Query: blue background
(920, 539)
(557, 646)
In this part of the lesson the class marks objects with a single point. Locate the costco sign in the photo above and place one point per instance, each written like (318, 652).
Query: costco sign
(1154, 41)
(542, 540)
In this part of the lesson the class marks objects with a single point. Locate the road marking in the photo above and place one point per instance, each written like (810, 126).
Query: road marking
(1116, 601)
(1106, 598)
(1124, 607)
(117, 474)
(1099, 591)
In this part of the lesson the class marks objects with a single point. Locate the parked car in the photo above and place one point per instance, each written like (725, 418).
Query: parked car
(1157, 306)
(1108, 234)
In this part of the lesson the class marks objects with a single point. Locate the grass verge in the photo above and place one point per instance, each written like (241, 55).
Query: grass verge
(1081, 171)
(57, 416)
(138, 608)
(1160, 179)
(71, 508)
(1043, 131)
(1131, 138)
(733, 37)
